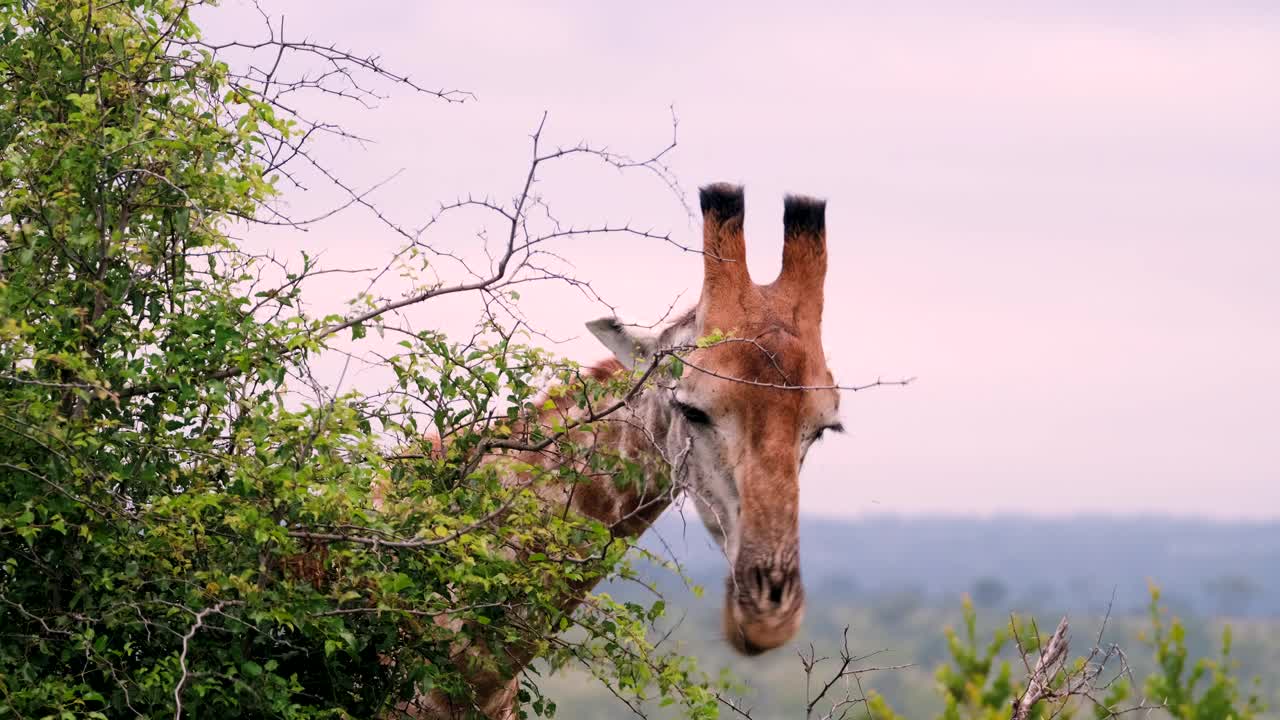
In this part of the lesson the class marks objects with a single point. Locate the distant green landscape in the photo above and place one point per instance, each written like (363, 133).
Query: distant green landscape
(897, 583)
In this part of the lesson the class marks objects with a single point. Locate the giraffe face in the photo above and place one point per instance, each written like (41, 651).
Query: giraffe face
(747, 443)
(746, 410)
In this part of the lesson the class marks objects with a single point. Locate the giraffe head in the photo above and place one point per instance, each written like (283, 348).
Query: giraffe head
(734, 424)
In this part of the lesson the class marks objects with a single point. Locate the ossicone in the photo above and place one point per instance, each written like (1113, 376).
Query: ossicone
(803, 215)
(721, 200)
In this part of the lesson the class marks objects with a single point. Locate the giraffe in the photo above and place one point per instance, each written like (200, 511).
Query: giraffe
(735, 419)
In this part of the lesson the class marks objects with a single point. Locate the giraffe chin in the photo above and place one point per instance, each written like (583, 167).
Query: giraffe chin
(753, 634)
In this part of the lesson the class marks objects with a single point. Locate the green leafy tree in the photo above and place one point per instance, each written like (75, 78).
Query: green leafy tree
(183, 530)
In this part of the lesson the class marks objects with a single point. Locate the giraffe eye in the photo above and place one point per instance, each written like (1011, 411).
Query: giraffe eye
(693, 414)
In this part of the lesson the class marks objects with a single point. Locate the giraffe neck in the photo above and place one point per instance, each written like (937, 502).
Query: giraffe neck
(640, 432)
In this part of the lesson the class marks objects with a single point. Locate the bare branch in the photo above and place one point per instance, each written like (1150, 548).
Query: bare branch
(186, 645)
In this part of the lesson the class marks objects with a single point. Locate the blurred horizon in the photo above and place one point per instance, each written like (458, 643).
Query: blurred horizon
(893, 584)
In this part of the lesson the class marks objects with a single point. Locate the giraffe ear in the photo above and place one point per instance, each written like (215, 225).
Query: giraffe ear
(631, 347)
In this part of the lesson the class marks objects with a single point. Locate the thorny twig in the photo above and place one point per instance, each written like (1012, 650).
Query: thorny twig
(838, 706)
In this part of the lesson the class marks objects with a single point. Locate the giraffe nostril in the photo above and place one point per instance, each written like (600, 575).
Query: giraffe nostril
(764, 588)
(775, 593)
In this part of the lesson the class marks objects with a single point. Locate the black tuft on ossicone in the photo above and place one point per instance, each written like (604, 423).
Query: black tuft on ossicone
(723, 200)
(804, 215)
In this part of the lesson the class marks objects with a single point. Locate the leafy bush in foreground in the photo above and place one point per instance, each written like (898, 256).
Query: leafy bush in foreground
(180, 530)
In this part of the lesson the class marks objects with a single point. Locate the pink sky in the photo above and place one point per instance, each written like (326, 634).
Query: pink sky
(1065, 222)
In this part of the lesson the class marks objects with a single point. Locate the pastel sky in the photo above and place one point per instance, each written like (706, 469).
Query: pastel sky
(1063, 218)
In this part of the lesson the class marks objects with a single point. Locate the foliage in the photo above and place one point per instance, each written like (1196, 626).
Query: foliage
(1175, 684)
(974, 686)
(181, 530)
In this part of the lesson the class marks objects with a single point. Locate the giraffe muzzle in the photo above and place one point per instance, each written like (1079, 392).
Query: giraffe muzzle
(764, 607)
